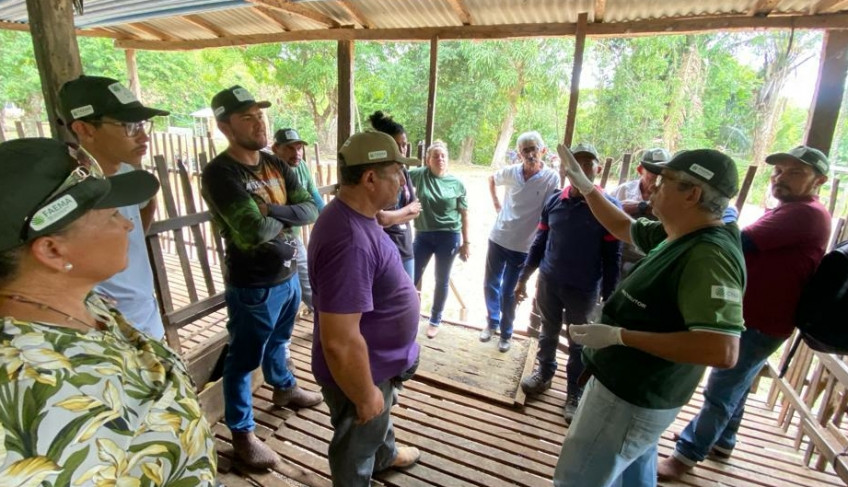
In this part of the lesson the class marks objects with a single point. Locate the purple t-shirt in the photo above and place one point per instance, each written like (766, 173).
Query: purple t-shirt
(355, 268)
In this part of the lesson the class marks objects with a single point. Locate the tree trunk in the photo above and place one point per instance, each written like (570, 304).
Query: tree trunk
(685, 101)
(466, 150)
(507, 128)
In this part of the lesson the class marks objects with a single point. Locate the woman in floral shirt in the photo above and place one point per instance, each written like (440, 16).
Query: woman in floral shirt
(85, 399)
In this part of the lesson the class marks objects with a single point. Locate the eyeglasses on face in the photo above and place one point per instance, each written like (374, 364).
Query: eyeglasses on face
(662, 178)
(131, 129)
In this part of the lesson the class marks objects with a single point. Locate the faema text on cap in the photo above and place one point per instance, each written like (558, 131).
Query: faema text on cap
(657, 154)
(234, 99)
(47, 184)
(93, 97)
(710, 166)
(585, 148)
(287, 136)
(371, 147)
(805, 155)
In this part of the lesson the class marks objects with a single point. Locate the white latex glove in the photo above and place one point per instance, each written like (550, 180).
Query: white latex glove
(595, 335)
(574, 171)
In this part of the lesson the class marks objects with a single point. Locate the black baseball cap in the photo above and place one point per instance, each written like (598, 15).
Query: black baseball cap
(287, 136)
(47, 184)
(234, 99)
(805, 155)
(92, 97)
(710, 166)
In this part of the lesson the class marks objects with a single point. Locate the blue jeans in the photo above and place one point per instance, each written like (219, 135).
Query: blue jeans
(303, 275)
(444, 245)
(409, 267)
(358, 450)
(724, 400)
(502, 269)
(551, 300)
(611, 442)
(260, 327)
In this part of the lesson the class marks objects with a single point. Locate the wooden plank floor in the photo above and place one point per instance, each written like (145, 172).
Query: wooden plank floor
(469, 441)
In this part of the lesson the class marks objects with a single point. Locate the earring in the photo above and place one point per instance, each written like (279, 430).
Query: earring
(68, 267)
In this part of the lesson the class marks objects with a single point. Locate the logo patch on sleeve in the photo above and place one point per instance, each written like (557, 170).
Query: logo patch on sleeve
(725, 293)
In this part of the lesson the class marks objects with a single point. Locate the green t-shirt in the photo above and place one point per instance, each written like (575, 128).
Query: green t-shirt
(441, 199)
(693, 283)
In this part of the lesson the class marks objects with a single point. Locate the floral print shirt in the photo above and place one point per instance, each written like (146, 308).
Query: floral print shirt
(104, 408)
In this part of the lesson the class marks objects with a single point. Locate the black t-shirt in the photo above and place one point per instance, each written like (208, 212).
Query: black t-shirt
(401, 234)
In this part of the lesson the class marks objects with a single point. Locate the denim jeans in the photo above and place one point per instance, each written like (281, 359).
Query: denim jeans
(303, 275)
(611, 442)
(409, 267)
(260, 327)
(578, 305)
(444, 245)
(358, 450)
(502, 269)
(724, 400)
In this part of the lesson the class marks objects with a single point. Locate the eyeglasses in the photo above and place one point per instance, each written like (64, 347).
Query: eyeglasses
(529, 150)
(661, 178)
(130, 128)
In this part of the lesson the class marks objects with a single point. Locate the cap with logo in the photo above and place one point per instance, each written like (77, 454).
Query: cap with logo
(586, 149)
(234, 99)
(93, 97)
(47, 184)
(710, 166)
(372, 147)
(805, 155)
(657, 154)
(287, 136)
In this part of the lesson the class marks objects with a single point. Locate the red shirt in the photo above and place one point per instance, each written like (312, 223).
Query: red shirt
(790, 241)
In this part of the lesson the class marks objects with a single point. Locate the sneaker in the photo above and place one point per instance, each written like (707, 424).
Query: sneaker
(295, 397)
(432, 331)
(571, 403)
(486, 334)
(253, 451)
(535, 384)
(671, 469)
(717, 451)
(406, 457)
(504, 344)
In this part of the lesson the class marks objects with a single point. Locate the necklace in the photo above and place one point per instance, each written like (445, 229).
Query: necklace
(44, 306)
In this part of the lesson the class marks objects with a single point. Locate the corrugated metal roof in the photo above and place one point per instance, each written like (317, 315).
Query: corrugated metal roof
(213, 19)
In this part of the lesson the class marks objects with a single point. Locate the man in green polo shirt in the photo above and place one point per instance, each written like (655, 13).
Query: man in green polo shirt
(679, 311)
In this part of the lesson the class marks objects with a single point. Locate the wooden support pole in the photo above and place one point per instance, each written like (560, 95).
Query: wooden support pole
(576, 69)
(132, 73)
(54, 42)
(746, 186)
(829, 90)
(345, 67)
(431, 94)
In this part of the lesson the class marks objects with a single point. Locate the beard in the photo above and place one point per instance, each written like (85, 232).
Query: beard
(251, 143)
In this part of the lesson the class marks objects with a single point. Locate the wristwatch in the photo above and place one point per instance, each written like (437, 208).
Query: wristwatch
(643, 208)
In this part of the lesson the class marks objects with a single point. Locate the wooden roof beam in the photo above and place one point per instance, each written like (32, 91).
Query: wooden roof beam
(763, 8)
(829, 5)
(271, 16)
(357, 14)
(94, 32)
(290, 8)
(600, 10)
(149, 29)
(206, 25)
(483, 32)
(461, 11)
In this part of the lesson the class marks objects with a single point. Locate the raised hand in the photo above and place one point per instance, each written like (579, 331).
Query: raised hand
(573, 171)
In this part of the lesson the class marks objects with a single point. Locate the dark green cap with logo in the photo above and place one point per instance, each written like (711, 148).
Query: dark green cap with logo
(715, 168)
(33, 169)
(234, 99)
(93, 97)
(805, 155)
(288, 136)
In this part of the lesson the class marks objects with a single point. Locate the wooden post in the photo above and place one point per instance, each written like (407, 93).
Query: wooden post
(834, 194)
(605, 174)
(345, 67)
(579, 44)
(625, 168)
(746, 186)
(132, 73)
(829, 90)
(54, 42)
(431, 94)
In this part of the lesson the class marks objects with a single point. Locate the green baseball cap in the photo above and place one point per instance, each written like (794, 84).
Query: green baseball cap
(710, 166)
(234, 99)
(805, 155)
(585, 148)
(92, 97)
(47, 184)
(371, 147)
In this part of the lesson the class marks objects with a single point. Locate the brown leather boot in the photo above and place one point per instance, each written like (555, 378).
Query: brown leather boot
(253, 451)
(669, 469)
(295, 397)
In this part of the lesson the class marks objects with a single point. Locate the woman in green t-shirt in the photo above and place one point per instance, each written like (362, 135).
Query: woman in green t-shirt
(441, 226)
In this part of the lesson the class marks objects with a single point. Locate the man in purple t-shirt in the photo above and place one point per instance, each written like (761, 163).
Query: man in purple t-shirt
(782, 249)
(366, 312)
